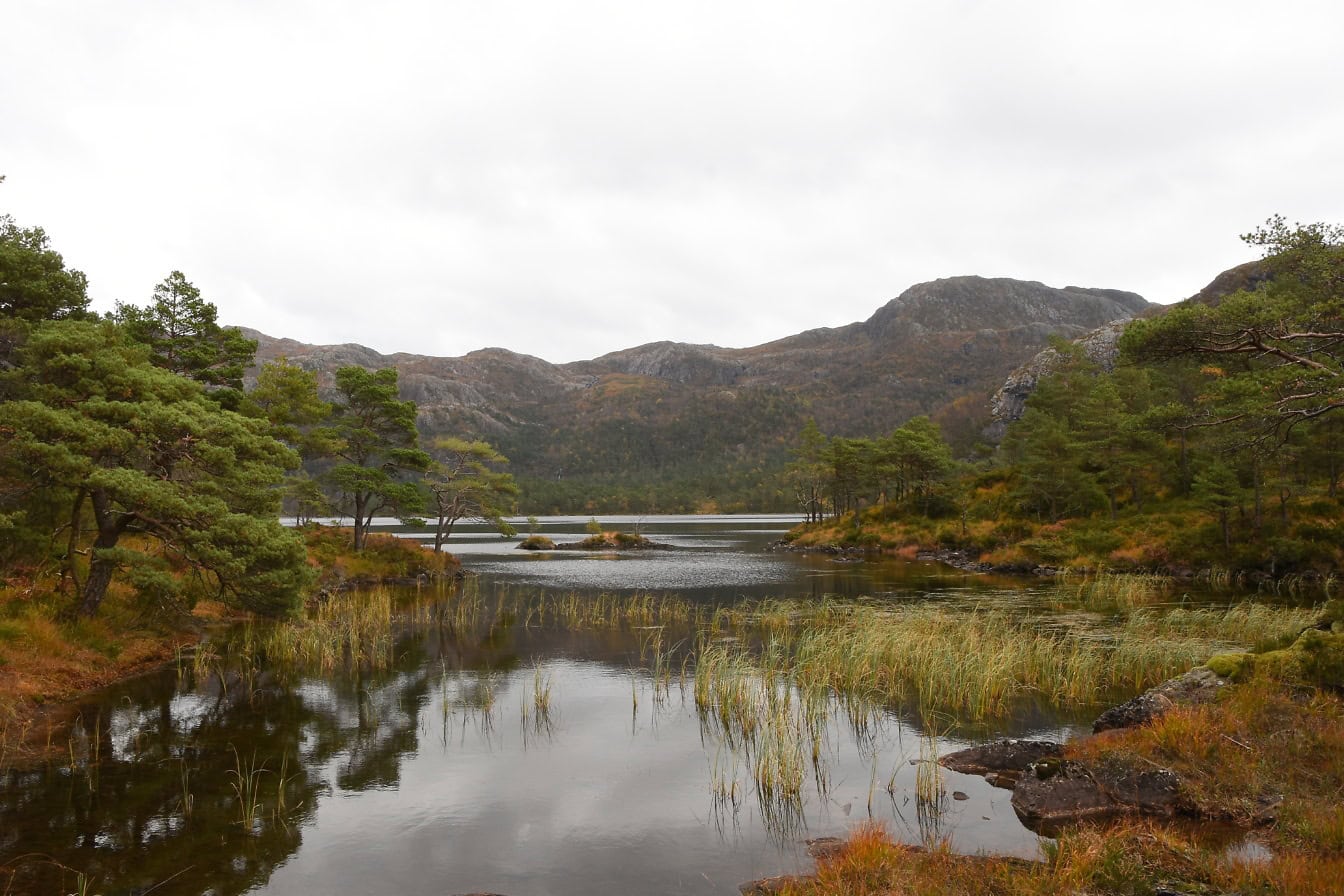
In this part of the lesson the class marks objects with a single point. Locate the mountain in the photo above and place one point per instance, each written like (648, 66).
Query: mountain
(668, 424)
(1102, 345)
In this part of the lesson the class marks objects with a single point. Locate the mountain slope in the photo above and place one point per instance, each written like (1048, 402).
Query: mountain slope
(666, 424)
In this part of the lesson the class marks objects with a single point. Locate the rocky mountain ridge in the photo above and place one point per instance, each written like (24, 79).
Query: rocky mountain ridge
(664, 412)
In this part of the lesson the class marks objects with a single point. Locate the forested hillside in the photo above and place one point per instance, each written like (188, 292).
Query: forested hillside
(677, 427)
(1207, 437)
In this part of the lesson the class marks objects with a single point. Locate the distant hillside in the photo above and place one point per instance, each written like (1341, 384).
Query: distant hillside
(1102, 345)
(662, 425)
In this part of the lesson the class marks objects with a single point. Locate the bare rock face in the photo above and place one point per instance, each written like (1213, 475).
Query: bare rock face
(1199, 685)
(1101, 346)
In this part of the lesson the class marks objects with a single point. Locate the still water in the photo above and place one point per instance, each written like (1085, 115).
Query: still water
(448, 773)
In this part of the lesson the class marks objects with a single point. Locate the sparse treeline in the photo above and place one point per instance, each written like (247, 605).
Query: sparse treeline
(1216, 441)
(130, 451)
(835, 476)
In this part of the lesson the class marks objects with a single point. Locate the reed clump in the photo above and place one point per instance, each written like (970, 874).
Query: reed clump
(353, 630)
(970, 662)
(1124, 591)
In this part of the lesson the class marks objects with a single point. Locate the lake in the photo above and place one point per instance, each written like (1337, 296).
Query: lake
(515, 757)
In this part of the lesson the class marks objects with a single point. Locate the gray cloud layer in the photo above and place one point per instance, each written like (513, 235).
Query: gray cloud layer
(569, 179)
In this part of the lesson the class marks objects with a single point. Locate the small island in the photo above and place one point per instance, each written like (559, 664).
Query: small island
(598, 541)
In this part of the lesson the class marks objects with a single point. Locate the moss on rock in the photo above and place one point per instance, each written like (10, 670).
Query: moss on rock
(1232, 666)
(1316, 657)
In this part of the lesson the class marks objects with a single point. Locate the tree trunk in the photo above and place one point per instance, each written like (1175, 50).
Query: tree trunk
(100, 576)
(361, 500)
(100, 567)
(1259, 496)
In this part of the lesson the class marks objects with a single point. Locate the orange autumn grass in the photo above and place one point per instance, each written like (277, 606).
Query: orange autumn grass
(1127, 857)
(1264, 738)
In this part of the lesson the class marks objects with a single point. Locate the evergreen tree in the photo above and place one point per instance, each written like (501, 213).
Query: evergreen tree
(373, 436)
(129, 449)
(35, 284)
(463, 484)
(183, 336)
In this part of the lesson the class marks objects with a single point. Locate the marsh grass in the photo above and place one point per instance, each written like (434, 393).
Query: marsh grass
(352, 630)
(246, 785)
(1124, 591)
(970, 662)
(973, 661)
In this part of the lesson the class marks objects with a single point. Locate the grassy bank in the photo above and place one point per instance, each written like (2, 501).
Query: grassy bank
(1266, 739)
(1178, 537)
(48, 658)
(1267, 757)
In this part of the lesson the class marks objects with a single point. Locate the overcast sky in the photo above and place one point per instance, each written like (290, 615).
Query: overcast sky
(571, 178)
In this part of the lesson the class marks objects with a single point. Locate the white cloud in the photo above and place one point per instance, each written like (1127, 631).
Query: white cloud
(571, 179)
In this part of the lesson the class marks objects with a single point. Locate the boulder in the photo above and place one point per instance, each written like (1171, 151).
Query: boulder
(1003, 761)
(1055, 791)
(1199, 685)
(1058, 791)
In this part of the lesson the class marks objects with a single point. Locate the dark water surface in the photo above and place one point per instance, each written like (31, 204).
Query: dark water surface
(442, 776)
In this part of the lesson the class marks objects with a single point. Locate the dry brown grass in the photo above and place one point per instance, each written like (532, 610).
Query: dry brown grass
(1129, 857)
(1265, 738)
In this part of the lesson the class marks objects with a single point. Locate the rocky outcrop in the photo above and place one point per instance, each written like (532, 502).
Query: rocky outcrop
(1002, 762)
(1059, 791)
(1199, 685)
(1101, 346)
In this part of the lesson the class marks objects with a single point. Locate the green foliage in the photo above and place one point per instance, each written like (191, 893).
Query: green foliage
(463, 484)
(373, 436)
(180, 329)
(35, 284)
(111, 447)
(286, 397)
(1280, 348)
(1212, 444)
(912, 465)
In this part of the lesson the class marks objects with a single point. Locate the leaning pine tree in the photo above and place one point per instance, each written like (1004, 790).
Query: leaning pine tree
(135, 471)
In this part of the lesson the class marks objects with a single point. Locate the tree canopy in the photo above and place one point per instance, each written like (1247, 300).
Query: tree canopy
(373, 437)
(139, 472)
(463, 484)
(183, 336)
(1274, 355)
(35, 284)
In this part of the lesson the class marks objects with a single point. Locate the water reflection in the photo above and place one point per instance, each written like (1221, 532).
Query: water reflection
(505, 755)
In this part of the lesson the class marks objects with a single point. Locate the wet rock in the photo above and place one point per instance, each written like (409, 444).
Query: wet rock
(770, 885)
(1058, 791)
(824, 847)
(1151, 790)
(1199, 685)
(1055, 791)
(1005, 759)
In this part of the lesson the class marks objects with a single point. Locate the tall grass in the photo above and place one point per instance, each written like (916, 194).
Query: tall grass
(1124, 591)
(352, 630)
(976, 663)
